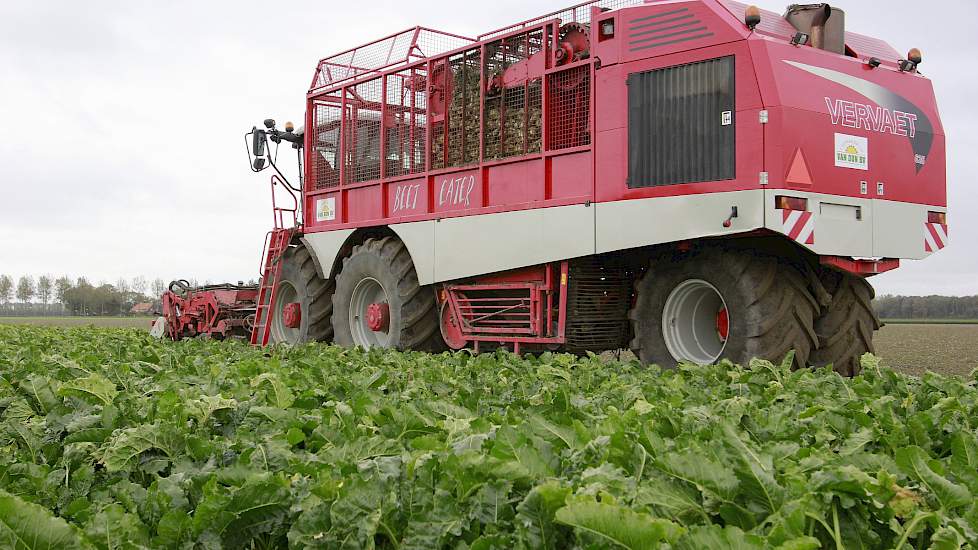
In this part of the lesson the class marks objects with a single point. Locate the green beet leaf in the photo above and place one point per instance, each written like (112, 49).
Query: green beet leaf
(915, 462)
(620, 525)
(93, 387)
(27, 526)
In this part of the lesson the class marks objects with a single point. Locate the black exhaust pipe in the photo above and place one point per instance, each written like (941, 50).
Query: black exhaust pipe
(825, 25)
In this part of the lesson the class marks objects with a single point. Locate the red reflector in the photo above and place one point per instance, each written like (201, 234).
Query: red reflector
(798, 173)
(937, 217)
(782, 202)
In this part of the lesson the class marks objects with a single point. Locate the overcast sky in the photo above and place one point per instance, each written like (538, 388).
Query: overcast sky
(123, 152)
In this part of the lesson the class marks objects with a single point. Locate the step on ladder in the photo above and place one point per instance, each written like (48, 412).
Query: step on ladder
(272, 269)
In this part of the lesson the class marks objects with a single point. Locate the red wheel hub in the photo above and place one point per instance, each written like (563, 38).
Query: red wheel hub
(723, 324)
(292, 315)
(378, 317)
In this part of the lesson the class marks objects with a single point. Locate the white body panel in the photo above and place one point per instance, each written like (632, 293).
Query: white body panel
(858, 227)
(475, 245)
(641, 222)
(324, 247)
(455, 248)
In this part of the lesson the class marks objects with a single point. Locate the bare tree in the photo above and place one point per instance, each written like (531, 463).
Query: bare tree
(44, 287)
(6, 289)
(139, 285)
(122, 286)
(25, 289)
(159, 287)
(61, 287)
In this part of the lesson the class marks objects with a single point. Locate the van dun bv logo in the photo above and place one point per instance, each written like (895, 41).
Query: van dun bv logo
(851, 152)
(326, 209)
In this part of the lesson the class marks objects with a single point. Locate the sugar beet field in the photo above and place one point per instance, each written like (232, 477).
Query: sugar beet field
(110, 439)
(905, 347)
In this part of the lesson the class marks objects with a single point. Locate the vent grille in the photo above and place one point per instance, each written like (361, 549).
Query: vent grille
(599, 293)
(665, 28)
(681, 126)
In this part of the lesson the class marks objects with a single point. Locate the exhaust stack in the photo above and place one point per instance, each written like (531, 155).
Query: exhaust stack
(824, 24)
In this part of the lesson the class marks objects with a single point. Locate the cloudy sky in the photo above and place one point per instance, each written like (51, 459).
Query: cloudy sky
(123, 152)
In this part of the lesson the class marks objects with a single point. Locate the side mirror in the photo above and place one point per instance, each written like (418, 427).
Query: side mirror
(257, 143)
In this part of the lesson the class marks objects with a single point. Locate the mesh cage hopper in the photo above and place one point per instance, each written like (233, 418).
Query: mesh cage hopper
(363, 121)
(397, 49)
(324, 168)
(569, 108)
(579, 13)
(407, 120)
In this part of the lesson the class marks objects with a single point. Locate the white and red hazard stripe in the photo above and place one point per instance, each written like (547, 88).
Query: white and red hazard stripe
(935, 236)
(799, 225)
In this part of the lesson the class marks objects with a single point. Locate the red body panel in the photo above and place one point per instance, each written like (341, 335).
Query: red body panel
(540, 129)
(806, 107)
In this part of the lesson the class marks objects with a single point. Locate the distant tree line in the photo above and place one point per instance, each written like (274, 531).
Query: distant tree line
(927, 307)
(47, 295)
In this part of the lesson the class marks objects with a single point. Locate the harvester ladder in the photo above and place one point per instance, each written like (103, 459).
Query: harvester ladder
(272, 270)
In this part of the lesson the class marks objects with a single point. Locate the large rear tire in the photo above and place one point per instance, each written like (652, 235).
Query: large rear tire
(714, 303)
(300, 283)
(379, 303)
(846, 327)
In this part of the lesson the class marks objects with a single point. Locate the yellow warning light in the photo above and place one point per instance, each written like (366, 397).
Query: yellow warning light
(289, 127)
(752, 17)
(915, 56)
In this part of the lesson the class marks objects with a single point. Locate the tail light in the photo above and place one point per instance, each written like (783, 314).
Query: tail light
(937, 217)
(782, 202)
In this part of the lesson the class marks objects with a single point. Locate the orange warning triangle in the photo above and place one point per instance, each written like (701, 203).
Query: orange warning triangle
(798, 173)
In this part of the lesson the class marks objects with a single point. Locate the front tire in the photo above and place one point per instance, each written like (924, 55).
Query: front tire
(300, 283)
(713, 303)
(846, 327)
(379, 279)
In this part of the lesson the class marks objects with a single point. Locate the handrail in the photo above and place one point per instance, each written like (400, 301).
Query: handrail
(278, 220)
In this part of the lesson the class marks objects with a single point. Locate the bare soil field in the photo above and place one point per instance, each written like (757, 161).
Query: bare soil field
(916, 348)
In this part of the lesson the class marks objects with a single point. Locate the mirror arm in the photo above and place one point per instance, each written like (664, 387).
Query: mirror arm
(281, 175)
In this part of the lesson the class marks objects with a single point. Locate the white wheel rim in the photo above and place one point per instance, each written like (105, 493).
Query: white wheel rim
(284, 295)
(689, 322)
(368, 291)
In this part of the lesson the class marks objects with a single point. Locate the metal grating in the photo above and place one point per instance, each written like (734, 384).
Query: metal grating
(406, 118)
(681, 126)
(325, 169)
(598, 298)
(463, 114)
(569, 108)
(400, 48)
(499, 311)
(455, 110)
(513, 113)
(362, 127)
